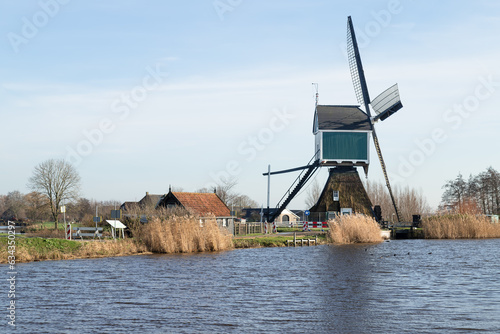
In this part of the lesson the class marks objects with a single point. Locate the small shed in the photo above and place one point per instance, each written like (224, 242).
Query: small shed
(342, 136)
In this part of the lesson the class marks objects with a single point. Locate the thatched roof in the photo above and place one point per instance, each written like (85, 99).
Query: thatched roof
(352, 193)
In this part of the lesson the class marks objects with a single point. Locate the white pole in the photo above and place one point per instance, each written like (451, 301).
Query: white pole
(64, 213)
(268, 189)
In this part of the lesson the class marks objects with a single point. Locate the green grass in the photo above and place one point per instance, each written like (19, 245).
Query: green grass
(297, 229)
(288, 229)
(48, 225)
(43, 246)
(270, 241)
(260, 242)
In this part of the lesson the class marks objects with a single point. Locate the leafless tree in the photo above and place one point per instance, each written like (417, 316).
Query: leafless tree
(15, 204)
(313, 194)
(243, 201)
(37, 206)
(3, 203)
(224, 190)
(482, 191)
(233, 200)
(455, 192)
(408, 200)
(58, 180)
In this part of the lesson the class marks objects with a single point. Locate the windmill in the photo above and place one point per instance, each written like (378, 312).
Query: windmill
(342, 134)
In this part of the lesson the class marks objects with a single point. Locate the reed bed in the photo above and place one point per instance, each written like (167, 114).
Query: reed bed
(183, 235)
(460, 226)
(349, 229)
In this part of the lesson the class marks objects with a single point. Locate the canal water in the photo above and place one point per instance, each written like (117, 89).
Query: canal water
(401, 286)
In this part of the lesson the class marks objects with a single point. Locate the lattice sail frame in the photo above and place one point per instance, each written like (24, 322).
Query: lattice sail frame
(353, 67)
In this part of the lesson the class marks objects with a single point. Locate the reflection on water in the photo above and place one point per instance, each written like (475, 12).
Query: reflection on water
(411, 286)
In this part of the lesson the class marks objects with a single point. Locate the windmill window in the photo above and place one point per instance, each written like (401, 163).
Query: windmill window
(285, 218)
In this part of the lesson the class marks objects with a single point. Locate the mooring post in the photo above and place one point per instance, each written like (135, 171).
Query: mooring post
(294, 239)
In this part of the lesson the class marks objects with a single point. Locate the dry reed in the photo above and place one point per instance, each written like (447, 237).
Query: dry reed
(350, 229)
(183, 235)
(460, 226)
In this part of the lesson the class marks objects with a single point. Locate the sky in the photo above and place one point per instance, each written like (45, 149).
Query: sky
(141, 95)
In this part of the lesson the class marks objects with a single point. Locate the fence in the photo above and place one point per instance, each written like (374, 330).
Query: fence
(308, 225)
(248, 228)
(17, 229)
(97, 232)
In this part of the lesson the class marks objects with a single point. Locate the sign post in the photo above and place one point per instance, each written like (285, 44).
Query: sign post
(116, 214)
(63, 211)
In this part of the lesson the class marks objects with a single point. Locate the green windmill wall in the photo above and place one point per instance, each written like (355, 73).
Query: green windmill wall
(345, 145)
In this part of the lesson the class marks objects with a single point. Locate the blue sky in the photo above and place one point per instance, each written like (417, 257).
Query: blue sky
(144, 94)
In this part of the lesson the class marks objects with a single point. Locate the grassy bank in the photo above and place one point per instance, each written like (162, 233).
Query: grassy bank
(39, 249)
(460, 226)
(271, 241)
(351, 229)
(170, 235)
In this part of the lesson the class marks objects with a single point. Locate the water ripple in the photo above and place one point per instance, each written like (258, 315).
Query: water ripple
(407, 286)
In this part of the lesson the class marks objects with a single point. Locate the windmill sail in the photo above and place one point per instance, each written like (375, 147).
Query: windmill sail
(361, 90)
(356, 67)
(387, 103)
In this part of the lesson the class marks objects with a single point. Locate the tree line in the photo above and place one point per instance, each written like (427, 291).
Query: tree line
(56, 182)
(480, 193)
(35, 207)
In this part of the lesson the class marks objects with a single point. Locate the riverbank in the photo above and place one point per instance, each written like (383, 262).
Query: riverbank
(40, 249)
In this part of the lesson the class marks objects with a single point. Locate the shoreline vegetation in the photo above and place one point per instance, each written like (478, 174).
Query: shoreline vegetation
(460, 226)
(350, 229)
(185, 234)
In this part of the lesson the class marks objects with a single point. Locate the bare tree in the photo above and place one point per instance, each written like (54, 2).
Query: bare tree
(481, 191)
(15, 204)
(224, 190)
(37, 206)
(234, 201)
(313, 194)
(408, 200)
(3, 203)
(456, 193)
(58, 180)
(243, 201)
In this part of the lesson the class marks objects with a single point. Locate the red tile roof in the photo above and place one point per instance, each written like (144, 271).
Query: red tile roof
(203, 204)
